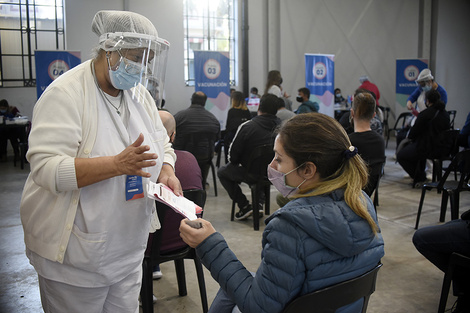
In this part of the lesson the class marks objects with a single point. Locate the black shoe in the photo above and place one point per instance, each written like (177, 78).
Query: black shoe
(244, 213)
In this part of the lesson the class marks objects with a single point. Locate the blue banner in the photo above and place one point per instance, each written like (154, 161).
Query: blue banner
(212, 76)
(320, 80)
(52, 64)
(407, 73)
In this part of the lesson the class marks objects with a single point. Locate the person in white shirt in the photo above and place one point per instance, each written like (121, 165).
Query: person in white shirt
(96, 142)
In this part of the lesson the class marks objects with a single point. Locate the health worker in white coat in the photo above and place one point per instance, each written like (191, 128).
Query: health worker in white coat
(95, 143)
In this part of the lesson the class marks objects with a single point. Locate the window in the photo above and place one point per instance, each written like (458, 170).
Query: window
(209, 25)
(25, 26)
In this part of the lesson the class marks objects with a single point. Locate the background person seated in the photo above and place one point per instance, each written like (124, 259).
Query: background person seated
(422, 137)
(347, 122)
(12, 134)
(256, 132)
(369, 143)
(193, 120)
(437, 243)
(306, 106)
(237, 115)
(189, 174)
(339, 99)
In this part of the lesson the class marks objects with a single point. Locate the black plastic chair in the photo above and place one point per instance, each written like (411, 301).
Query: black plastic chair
(202, 146)
(257, 179)
(437, 163)
(452, 189)
(399, 124)
(331, 298)
(452, 114)
(154, 255)
(456, 262)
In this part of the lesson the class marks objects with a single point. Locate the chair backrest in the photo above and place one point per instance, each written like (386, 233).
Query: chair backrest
(460, 163)
(401, 120)
(201, 145)
(452, 114)
(259, 160)
(331, 298)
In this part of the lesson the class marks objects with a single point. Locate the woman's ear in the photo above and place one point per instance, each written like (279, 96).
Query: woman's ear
(309, 170)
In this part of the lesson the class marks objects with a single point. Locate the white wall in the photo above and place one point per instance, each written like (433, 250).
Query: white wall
(367, 36)
(453, 56)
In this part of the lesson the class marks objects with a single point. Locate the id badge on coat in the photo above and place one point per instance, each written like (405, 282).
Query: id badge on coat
(134, 187)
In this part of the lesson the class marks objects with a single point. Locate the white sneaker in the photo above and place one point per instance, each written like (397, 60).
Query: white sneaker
(153, 298)
(157, 274)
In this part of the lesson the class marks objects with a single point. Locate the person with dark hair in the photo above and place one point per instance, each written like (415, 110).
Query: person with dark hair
(14, 135)
(256, 132)
(254, 93)
(306, 105)
(429, 123)
(339, 99)
(283, 113)
(437, 243)
(196, 119)
(327, 233)
(370, 144)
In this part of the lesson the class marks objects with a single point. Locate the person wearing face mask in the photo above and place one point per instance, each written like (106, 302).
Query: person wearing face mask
(425, 83)
(422, 138)
(326, 234)
(339, 99)
(96, 142)
(306, 105)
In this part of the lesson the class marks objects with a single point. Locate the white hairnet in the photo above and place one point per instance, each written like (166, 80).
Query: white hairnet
(113, 26)
(425, 75)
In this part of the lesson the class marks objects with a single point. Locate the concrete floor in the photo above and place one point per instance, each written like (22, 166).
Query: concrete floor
(406, 283)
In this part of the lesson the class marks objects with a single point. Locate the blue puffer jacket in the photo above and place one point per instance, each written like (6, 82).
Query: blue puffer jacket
(308, 244)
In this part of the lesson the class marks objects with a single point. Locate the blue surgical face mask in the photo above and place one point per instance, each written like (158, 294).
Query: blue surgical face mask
(3, 111)
(338, 95)
(126, 76)
(278, 179)
(426, 88)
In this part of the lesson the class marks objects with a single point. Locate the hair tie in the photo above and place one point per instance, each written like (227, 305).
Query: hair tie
(350, 152)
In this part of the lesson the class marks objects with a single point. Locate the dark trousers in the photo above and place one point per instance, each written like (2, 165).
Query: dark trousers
(413, 162)
(230, 177)
(14, 135)
(437, 243)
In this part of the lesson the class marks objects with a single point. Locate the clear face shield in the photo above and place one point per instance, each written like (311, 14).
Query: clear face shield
(141, 63)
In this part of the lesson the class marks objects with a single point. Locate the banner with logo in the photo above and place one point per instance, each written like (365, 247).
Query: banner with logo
(320, 80)
(407, 73)
(212, 76)
(52, 64)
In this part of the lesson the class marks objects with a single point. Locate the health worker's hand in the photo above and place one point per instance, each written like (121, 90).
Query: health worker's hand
(192, 236)
(134, 158)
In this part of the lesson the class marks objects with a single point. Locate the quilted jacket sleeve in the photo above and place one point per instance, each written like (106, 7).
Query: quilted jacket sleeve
(278, 279)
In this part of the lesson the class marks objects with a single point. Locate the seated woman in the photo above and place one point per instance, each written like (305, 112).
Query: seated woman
(422, 136)
(236, 115)
(327, 234)
(370, 144)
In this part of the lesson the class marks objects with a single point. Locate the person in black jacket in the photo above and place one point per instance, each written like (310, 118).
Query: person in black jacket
(256, 132)
(423, 136)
